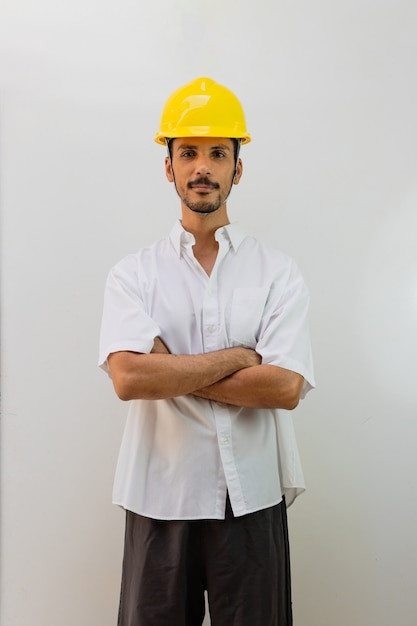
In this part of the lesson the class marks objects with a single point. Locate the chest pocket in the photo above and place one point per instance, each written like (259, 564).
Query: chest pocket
(248, 304)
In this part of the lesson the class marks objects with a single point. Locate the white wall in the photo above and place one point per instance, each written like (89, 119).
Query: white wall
(330, 94)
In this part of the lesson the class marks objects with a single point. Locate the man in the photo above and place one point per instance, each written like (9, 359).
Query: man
(205, 333)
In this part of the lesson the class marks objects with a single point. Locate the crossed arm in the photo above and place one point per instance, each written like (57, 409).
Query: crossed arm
(232, 376)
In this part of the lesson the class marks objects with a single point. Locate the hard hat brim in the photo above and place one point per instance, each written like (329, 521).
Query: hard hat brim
(161, 138)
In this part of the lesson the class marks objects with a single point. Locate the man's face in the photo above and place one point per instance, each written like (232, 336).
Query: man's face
(203, 170)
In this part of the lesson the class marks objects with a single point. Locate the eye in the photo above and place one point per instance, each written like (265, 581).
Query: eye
(219, 154)
(188, 153)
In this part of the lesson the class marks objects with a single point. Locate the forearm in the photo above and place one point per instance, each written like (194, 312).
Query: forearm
(162, 375)
(261, 386)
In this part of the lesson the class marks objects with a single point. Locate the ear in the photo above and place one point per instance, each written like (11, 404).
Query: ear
(239, 171)
(168, 170)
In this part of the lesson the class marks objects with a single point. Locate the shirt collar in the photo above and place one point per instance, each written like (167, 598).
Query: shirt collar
(182, 239)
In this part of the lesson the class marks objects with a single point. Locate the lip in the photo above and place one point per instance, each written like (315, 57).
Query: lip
(202, 188)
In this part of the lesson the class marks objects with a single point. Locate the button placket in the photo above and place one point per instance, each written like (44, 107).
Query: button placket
(213, 340)
(211, 308)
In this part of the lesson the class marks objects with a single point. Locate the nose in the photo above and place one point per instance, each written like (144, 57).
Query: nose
(202, 166)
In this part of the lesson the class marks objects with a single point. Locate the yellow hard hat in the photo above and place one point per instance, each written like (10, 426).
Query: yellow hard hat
(202, 108)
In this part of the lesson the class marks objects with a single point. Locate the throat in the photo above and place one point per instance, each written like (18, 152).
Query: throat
(206, 258)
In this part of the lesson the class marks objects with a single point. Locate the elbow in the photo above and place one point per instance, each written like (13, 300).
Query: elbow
(127, 386)
(287, 400)
(124, 396)
(130, 387)
(291, 402)
(122, 388)
(290, 396)
(128, 381)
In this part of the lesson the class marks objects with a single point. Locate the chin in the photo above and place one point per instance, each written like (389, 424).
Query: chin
(204, 210)
(205, 207)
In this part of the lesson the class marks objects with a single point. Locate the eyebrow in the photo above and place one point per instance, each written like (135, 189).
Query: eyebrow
(190, 146)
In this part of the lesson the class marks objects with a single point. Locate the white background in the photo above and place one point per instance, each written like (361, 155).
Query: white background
(330, 94)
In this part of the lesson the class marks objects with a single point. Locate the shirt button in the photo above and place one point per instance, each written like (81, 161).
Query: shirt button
(211, 328)
(225, 441)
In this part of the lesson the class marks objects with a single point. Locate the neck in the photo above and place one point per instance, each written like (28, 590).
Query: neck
(203, 227)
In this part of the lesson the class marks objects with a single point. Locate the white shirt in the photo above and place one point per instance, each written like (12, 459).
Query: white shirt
(180, 456)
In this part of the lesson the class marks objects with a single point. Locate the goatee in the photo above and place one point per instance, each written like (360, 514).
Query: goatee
(203, 206)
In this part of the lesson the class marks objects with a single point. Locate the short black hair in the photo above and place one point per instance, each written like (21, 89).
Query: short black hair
(236, 149)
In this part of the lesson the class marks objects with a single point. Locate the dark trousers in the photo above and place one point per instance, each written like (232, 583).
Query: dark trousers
(242, 562)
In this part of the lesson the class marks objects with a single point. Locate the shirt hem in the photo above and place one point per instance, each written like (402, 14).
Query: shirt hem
(176, 518)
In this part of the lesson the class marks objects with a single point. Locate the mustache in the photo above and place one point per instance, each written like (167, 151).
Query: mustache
(203, 181)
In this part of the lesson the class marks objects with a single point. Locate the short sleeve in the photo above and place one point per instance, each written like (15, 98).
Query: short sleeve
(125, 324)
(284, 339)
